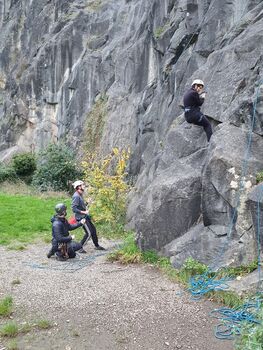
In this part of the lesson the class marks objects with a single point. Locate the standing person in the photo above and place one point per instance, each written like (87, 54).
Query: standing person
(193, 100)
(80, 210)
(60, 235)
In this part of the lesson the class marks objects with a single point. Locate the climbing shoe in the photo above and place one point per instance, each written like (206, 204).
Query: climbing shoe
(98, 247)
(82, 251)
(61, 258)
(50, 253)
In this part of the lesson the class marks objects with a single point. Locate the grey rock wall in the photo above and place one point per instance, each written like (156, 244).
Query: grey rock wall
(57, 58)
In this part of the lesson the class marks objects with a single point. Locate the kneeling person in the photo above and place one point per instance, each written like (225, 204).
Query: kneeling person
(62, 243)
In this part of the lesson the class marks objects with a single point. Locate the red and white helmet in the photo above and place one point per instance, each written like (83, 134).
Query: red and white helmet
(77, 183)
(198, 82)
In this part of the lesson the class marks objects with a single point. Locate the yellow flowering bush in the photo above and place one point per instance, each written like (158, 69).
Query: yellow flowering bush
(107, 189)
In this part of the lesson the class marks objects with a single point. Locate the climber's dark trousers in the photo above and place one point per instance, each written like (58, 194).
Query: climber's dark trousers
(199, 119)
(93, 232)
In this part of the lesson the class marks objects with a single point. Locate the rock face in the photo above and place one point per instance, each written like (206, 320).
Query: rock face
(58, 59)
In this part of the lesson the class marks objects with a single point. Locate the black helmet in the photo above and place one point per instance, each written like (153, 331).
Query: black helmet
(61, 209)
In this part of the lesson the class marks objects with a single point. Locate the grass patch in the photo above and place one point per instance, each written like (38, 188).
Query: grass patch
(6, 306)
(43, 324)
(25, 218)
(9, 329)
(25, 328)
(12, 345)
(32, 212)
(128, 253)
(228, 298)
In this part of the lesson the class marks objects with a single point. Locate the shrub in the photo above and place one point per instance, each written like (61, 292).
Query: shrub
(24, 166)
(56, 166)
(259, 177)
(107, 188)
(7, 172)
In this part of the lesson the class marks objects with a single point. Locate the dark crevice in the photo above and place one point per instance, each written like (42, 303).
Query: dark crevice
(187, 40)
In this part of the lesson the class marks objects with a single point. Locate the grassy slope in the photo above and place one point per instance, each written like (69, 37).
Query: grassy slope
(24, 217)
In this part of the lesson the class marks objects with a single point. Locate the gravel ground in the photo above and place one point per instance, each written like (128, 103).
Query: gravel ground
(97, 305)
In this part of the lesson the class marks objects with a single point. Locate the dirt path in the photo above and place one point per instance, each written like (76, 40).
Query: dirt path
(97, 305)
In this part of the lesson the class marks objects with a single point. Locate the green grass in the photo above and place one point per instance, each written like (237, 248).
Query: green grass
(12, 345)
(43, 324)
(9, 329)
(251, 337)
(25, 218)
(6, 305)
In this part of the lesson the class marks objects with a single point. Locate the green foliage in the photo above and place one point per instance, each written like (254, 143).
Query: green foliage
(237, 271)
(107, 189)
(228, 298)
(259, 177)
(128, 252)
(7, 172)
(24, 164)
(194, 267)
(9, 329)
(251, 335)
(12, 345)
(6, 305)
(56, 166)
(34, 215)
(43, 324)
(158, 33)
(94, 125)
(150, 257)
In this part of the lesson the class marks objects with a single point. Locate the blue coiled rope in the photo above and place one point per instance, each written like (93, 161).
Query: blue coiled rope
(232, 319)
(202, 284)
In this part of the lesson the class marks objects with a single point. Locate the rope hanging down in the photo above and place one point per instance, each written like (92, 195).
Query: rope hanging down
(199, 283)
(202, 284)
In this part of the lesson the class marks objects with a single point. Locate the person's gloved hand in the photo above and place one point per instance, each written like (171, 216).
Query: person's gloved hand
(73, 236)
(202, 95)
(83, 221)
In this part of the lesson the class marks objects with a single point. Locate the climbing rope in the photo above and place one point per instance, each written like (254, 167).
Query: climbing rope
(202, 284)
(241, 187)
(231, 319)
(70, 265)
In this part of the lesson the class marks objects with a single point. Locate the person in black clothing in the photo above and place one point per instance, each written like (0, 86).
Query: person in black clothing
(193, 100)
(60, 235)
(80, 210)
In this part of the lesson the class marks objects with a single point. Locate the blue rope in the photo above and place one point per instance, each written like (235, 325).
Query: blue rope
(232, 319)
(70, 265)
(202, 284)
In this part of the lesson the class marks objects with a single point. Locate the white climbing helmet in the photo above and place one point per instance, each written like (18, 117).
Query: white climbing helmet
(198, 82)
(77, 183)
